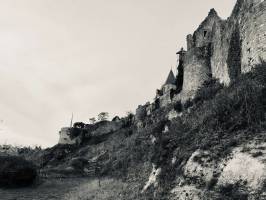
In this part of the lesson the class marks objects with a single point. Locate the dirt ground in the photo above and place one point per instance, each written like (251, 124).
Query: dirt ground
(69, 189)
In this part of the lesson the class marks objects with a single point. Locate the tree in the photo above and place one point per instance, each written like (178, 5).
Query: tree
(103, 116)
(92, 120)
(79, 125)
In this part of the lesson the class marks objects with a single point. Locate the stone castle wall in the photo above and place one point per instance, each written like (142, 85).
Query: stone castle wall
(239, 43)
(203, 35)
(236, 44)
(65, 138)
(252, 21)
(196, 70)
(222, 49)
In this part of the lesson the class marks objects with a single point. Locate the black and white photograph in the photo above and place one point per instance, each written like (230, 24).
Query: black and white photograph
(132, 100)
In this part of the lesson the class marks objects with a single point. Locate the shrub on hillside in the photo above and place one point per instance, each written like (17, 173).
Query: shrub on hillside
(15, 171)
(220, 119)
(78, 163)
(208, 90)
(237, 107)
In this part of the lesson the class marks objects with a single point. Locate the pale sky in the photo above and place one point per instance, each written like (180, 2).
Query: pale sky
(86, 56)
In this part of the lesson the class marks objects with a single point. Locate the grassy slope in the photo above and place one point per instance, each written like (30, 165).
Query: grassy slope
(219, 119)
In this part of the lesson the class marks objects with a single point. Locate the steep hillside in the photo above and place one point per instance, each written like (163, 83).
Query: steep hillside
(213, 147)
(203, 137)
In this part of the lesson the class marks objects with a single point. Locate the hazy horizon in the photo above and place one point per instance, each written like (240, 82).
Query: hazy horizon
(86, 56)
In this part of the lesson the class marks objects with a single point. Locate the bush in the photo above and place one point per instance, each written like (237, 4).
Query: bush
(78, 163)
(15, 172)
(208, 90)
(234, 192)
(178, 106)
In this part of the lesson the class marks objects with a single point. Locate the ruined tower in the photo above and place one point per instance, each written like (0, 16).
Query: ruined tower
(197, 59)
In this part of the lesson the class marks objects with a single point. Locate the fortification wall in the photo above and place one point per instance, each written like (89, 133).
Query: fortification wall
(253, 33)
(238, 44)
(65, 137)
(196, 70)
(235, 46)
(219, 54)
(203, 35)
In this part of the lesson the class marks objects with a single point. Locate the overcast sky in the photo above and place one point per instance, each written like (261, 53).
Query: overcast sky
(86, 56)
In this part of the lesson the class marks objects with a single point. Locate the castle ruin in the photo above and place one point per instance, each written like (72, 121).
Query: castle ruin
(219, 49)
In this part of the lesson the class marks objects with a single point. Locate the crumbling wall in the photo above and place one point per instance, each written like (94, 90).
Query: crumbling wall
(238, 44)
(234, 46)
(253, 33)
(197, 64)
(65, 137)
(203, 35)
(220, 46)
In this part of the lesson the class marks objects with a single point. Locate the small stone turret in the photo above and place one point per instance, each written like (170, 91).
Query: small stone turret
(165, 95)
(181, 54)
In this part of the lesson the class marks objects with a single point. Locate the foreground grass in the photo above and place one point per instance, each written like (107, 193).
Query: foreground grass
(51, 189)
(107, 188)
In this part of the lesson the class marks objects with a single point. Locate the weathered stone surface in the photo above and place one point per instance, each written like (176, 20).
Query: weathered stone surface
(196, 71)
(252, 22)
(220, 46)
(203, 35)
(67, 136)
(237, 44)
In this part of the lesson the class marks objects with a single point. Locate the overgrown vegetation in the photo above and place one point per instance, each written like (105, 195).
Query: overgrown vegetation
(220, 118)
(15, 171)
(217, 120)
